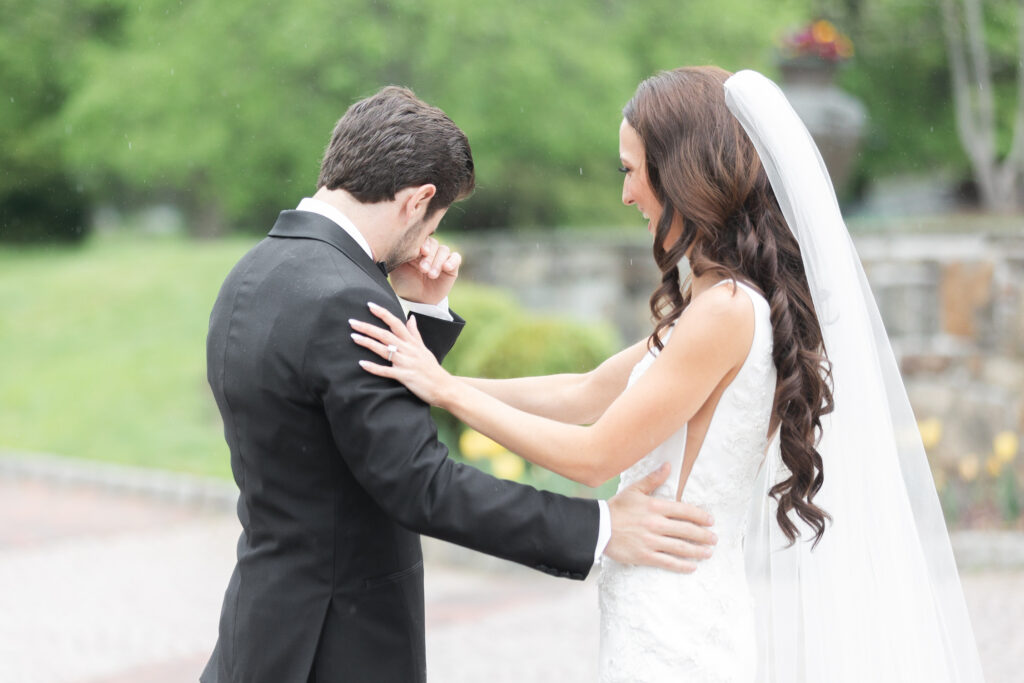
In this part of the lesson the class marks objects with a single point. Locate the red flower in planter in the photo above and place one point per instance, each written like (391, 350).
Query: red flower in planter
(820, 39)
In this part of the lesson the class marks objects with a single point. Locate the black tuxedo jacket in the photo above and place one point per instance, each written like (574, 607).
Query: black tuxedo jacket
(339, 471)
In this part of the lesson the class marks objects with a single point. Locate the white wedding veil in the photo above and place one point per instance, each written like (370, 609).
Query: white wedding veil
(879, 599)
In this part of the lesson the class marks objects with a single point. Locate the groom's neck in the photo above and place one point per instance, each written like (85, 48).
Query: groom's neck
(376, 222)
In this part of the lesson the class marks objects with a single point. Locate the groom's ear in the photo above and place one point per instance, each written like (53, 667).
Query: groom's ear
(417, 201)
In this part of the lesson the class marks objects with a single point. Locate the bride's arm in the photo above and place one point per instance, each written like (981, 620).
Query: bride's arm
(711, 338)
(572, 398)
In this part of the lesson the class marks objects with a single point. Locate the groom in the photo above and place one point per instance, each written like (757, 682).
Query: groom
(339, 471)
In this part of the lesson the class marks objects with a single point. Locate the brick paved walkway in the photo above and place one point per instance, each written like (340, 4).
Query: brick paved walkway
(99, 587)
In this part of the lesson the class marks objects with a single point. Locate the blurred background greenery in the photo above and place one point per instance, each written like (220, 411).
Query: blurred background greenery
(222, 109)
(133, 133)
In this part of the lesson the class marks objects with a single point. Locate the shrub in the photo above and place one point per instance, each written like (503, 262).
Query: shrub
(528, 345)
(48, 209)
(502, 340)
(485, 309)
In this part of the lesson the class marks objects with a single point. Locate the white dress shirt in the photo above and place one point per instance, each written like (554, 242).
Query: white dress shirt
(439, 310)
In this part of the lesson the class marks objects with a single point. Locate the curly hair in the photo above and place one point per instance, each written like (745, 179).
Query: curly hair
(702, 167)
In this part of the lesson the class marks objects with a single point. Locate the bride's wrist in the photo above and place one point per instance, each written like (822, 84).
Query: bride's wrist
(448, 392)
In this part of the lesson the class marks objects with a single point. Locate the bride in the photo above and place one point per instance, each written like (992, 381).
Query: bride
(769, 387)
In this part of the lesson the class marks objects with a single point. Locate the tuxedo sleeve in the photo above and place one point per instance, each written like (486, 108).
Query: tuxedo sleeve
(389, 442)
(438, 334)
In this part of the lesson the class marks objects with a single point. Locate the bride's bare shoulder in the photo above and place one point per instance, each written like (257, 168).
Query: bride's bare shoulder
(719, 320)
(726, 303)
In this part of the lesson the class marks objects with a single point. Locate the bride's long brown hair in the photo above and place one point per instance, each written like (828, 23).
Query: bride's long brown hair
(702, 166)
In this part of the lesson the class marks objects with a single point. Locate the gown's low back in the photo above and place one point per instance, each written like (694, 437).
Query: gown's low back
(658, 625)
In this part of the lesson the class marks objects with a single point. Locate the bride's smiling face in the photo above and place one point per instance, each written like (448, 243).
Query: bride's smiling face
(636, 186)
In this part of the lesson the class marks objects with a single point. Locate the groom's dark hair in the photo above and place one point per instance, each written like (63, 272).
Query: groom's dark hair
(395, 140)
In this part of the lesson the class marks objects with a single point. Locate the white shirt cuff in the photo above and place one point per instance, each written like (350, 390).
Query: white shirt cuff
(438, 310)
(604, 531)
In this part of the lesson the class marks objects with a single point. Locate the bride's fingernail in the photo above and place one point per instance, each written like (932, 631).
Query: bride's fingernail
(357, 336)
(373, 306)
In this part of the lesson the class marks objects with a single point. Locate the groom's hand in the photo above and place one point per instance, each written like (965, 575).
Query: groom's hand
(429, 277)
(658, 532)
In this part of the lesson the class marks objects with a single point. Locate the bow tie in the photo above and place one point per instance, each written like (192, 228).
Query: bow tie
(383, 267)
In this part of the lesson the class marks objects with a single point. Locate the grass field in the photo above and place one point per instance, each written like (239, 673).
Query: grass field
(102, 350)
(102, 354)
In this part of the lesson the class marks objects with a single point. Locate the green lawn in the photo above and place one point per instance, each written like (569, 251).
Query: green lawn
(102, 351)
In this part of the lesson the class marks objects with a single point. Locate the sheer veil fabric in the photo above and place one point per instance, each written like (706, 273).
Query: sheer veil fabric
(879, 599)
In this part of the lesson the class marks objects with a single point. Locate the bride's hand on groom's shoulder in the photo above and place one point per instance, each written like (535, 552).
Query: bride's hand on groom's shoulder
(658, 532)
(406, 358)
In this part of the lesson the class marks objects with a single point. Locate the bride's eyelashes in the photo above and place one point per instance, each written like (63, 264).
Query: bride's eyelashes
(623, 169)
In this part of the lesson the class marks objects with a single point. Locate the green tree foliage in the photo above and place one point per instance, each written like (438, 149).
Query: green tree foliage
(39, 198)
(224, 108)
(901, 71)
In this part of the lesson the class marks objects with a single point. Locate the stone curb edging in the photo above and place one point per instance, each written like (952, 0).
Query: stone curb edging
(163, 485)
(973, 549)
(988, 549)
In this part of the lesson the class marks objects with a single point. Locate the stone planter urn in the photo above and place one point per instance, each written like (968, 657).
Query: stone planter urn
(836, 119)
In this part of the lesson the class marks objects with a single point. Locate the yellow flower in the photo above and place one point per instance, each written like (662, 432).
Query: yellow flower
(508, 466)
(844, 47)
(968, 467)
(931, 432)
(824, 32)
(1005, 447)
(475, 445)
(993, 466)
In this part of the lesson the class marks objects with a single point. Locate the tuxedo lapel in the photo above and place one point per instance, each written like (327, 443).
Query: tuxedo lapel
(309, 225)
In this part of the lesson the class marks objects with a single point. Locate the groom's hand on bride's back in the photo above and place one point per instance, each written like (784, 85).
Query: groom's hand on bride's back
(658, 532)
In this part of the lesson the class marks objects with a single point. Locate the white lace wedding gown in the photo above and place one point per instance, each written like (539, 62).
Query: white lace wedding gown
(658, 626)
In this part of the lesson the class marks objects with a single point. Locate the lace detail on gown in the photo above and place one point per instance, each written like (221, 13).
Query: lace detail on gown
(661, 626)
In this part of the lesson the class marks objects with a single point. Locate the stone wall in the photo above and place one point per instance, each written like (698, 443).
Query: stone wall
(954, 309)
(953, 306)
(591, 276)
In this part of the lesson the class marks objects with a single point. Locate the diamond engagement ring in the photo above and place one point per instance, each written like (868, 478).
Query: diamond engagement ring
(392, 349)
